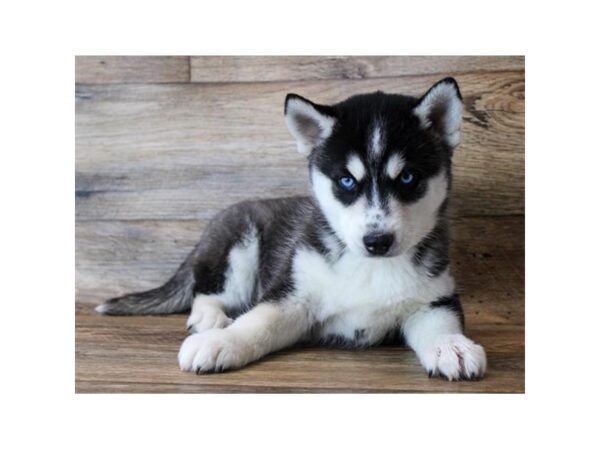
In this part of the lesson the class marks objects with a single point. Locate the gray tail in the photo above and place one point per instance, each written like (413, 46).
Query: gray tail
(173, 297)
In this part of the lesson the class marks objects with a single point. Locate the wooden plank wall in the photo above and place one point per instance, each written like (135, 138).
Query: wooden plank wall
(162, 143)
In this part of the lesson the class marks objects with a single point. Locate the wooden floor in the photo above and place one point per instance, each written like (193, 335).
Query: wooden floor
(162, 143)
(138, 354)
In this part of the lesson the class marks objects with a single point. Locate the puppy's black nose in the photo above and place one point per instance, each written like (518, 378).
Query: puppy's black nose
(378, 244)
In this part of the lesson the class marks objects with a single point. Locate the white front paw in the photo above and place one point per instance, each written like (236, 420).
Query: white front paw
(203, 319)
(454, 357)
(213, 351)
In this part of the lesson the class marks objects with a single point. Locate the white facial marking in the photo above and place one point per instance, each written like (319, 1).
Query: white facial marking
(375, 212)
(348, 222)
(420, 218)
(394, 166)
(376, 144)
(356, 168)
(409, 223)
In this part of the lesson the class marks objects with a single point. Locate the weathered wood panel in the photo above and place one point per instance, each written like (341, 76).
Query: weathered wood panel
(139, 354)
(113, 258)
(213, 69)
(155, 162)
(185, 151)
(132, 69)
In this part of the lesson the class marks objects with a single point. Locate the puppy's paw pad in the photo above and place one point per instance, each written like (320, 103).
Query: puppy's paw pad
(455, 357)
(212, 351)
(206, 319)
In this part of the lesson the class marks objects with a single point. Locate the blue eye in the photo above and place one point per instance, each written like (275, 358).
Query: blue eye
(407, 177)
(347, 183)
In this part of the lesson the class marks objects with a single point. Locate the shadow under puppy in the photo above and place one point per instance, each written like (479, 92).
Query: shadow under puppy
(363, 259)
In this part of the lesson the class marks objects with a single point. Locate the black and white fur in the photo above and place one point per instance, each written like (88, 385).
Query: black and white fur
(343, 266)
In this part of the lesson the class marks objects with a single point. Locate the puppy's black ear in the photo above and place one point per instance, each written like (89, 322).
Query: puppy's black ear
(440, 110)
(308, 122)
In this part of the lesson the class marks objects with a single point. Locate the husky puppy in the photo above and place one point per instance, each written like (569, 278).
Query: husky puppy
(362, 260)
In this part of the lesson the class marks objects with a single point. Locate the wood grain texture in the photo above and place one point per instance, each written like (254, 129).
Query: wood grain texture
(185, 151)
(211, 69)
(139, 354)
(132, 69)
(157, 157)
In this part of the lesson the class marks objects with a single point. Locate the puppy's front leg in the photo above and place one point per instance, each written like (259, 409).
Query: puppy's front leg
(435, 333)
(267, 327)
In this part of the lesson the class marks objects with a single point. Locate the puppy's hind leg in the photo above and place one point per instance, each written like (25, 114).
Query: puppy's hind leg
(207, 312)
(240, 278)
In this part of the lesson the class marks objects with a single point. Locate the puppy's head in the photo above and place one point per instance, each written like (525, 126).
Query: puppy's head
(380, 163)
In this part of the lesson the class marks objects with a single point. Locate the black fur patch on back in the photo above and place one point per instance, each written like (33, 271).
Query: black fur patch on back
(209, 259)
(285, 226)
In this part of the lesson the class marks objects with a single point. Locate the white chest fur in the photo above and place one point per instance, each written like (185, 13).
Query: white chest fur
(364, 296)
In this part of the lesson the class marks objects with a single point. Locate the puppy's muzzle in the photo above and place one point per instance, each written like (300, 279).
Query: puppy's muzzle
(378, 244)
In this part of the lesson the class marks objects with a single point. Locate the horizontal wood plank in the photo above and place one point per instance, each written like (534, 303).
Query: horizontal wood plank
(215, 69)
(132, 69)
(139, 354)
(185, 151)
